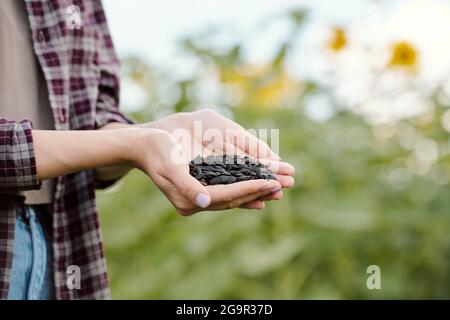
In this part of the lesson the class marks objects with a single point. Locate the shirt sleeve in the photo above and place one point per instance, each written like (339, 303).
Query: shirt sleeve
(17, 161)
(107, 108)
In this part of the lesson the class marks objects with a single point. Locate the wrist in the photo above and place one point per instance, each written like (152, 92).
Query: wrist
(116, 125)
(170, 123)
(142, 144)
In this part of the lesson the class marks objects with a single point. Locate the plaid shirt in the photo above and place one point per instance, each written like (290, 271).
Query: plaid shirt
(82, 74)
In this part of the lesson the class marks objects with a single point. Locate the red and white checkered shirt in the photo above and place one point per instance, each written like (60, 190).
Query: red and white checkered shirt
(82, 72)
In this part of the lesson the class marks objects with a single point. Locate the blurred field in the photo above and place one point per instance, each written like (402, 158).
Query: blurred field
(368, 192)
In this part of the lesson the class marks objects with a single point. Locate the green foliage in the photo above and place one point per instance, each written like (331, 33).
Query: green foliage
(343, 216)
(359, 201)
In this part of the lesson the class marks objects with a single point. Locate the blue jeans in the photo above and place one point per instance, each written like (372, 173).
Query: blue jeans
(32, 265)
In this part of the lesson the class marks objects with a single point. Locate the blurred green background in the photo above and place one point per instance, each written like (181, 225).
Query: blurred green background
(372, 180)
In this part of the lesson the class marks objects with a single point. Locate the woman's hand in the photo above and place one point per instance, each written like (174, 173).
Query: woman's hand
(161, 157)
(231, 138)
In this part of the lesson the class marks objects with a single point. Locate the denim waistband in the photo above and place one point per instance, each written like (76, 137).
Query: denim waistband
(40, 211)
(32, 265)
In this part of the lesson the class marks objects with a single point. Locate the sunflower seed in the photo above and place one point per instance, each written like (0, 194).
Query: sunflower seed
(226, 169)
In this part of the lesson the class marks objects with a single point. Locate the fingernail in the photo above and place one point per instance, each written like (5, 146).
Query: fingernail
(275, 190)
(202, 200)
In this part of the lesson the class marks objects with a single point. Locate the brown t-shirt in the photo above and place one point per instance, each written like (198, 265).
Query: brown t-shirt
(23, 89)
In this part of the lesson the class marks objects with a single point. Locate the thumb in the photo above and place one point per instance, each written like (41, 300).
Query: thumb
(190, 187)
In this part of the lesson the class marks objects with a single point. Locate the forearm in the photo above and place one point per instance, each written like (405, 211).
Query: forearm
(62, 152)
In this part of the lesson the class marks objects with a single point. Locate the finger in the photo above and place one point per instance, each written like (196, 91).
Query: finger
(228, 193)
(273, 196)
(252, 145)
(247, 142)
(189, 187)
(255, 204)
(240, 201)
(285, 181)
(278, 167)
(242, 198)
(232, 149)
(224, 147)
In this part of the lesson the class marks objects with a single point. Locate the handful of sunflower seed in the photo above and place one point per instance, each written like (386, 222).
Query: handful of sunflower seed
(226, 169)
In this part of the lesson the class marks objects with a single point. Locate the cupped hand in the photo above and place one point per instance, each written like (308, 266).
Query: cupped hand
(206, 132)
(163, 158)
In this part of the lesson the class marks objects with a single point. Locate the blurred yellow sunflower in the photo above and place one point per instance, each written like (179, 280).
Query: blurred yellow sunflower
(338, 40)
(260, 85)
(404, 55)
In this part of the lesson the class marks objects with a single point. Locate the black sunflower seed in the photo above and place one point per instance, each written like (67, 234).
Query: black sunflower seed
(213, 170)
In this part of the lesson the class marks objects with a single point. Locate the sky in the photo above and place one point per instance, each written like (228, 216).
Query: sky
(152, 29)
